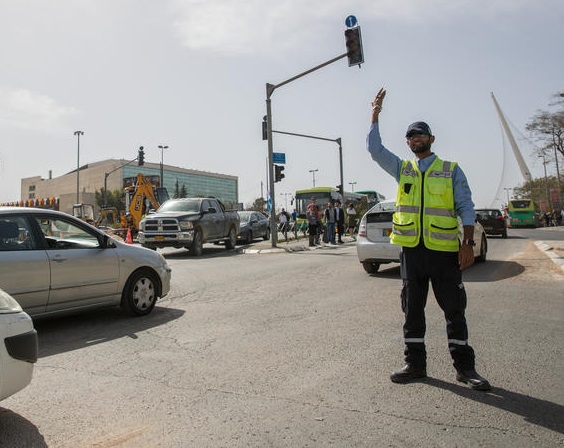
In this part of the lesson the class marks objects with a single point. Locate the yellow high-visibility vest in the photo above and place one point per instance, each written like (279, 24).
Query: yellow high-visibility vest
(437, 221)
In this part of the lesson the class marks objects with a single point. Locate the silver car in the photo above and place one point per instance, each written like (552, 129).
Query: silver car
(54, 263)
(373, 241)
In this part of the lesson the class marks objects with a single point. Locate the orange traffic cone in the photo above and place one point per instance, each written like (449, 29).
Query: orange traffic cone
(128, 239)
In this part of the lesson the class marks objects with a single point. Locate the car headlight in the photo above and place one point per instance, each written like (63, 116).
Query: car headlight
(186, 225)
(8, 304)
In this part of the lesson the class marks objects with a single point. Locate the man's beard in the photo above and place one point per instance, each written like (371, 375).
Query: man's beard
(421, 149)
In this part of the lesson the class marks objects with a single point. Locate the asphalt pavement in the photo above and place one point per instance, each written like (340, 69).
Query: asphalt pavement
(552, 248)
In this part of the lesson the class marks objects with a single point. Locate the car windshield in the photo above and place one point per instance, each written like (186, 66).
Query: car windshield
(245, 217)
(386, 206)
(190, 205)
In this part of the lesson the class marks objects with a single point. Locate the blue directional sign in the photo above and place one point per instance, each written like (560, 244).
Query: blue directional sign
(350, 21)
(279, 157)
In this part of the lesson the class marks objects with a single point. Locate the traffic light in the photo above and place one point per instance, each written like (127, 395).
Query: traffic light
(278, 174)
(141, 157)
(353, 41)
(339, 187)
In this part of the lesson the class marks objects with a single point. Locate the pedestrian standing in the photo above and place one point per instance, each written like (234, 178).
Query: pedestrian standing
(312, 216)
(329, 217)
(283, 219)
(339, 221)
(351, 218)
(432, 193)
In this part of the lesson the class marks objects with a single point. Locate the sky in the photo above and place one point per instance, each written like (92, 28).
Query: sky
(192, 75)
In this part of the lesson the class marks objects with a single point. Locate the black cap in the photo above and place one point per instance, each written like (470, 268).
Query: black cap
(419, 127)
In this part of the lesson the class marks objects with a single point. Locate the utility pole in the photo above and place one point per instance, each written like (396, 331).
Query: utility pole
(162, 148)
(78, 134)
(313, 175)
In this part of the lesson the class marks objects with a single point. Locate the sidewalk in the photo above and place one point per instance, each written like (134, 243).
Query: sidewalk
(292, 245)
(553, 249)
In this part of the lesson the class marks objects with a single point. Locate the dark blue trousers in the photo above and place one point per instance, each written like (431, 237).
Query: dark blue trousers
(420, 265)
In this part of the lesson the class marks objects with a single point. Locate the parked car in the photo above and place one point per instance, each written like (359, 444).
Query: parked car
(493, 221)
(18, 346)
(253, 225)
(373, 244)
(54, 263)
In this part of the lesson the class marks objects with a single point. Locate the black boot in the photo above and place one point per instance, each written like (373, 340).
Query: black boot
(408, 373)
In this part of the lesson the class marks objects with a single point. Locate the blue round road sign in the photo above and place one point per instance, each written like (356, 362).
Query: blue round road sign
(350, 21)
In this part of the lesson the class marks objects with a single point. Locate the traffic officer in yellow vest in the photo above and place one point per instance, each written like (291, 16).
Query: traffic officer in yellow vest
(431, 195)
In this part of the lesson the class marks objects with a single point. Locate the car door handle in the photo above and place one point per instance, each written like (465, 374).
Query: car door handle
(58, 259)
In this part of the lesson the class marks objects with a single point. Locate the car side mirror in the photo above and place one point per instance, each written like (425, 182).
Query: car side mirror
(212, 210)
(106, 242)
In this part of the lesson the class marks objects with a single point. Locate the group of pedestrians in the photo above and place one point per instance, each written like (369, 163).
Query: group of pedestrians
(330, 224)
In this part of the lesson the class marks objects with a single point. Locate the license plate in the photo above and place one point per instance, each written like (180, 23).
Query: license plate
(386, 232)
(488, 228)
(159, 238)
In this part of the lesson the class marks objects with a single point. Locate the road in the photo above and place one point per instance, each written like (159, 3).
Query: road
(295, 350)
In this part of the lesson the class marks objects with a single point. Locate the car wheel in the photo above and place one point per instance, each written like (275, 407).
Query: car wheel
(140, 293)
(370, 267)
(483, 250)
(249, 239)
(266, 236)
(197, 247)
(231, 240)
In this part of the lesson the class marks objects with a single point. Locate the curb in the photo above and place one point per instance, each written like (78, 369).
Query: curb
(290, 248)
(551, 253)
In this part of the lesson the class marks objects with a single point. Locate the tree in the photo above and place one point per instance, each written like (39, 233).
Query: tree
(547, 129)
(114, 198)
(259, 205)
(180, 191)
(536, 189)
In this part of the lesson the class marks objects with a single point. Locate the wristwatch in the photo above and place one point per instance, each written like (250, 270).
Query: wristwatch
(468, 243)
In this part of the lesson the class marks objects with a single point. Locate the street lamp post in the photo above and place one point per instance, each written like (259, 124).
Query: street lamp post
(544, 162)
(352, 184)
(162, 148)
(78, 134)
(313, 174)
(507, 190)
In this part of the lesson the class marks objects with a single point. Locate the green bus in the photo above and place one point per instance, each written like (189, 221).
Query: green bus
(373, 197)
(522, 213)
(323, 195)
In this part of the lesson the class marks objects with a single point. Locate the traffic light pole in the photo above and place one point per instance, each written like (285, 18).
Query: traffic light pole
(335, 140)
(270, 88)
(106, 175)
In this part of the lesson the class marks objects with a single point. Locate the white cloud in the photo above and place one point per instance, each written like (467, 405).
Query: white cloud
(276, 26)
(23, 109)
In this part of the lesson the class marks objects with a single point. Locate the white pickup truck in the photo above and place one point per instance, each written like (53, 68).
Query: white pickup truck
(189, 223)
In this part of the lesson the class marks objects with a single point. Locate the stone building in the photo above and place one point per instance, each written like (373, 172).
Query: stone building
(113, 174)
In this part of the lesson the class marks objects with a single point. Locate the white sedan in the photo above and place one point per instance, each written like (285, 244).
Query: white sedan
(373, 242)
(18, 347)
